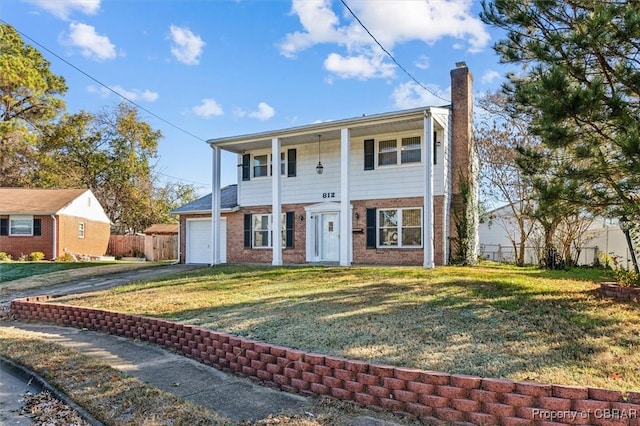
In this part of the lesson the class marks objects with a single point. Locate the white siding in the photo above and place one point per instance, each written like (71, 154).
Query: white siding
(86, 206)
(396, 181)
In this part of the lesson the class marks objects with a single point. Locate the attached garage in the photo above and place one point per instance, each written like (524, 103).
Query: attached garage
(198, 240)
(195, 227)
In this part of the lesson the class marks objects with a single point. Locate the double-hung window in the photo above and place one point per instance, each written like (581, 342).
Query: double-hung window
(400, 227)
(410, 149)
(80, 229)
(260, 165)
(261, 230)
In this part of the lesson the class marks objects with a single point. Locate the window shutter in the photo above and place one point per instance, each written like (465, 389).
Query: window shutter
(371, 228)
(291, 162)
(246, 167)
(247, 231)
(37, 227)
(435, 147)
(369, 154)
(4, 226)
(289, 226)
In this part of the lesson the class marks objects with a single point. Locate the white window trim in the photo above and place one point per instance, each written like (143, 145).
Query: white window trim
(283, 164)
(398, 151)
(81, 229)
(20, 217)
(398, 228)
(269, 231)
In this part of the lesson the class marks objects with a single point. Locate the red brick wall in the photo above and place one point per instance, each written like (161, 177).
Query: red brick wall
(17, 245)
(433, 397)
(94, 243)
(237, 253)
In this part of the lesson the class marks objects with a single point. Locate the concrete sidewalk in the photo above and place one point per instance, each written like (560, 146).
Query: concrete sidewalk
(232, 397)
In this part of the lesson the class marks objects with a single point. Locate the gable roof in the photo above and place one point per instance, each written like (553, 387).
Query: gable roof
(162, 228)
(36, 201)
(228, 202)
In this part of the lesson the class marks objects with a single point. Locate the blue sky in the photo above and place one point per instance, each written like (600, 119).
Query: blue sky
(222, 68)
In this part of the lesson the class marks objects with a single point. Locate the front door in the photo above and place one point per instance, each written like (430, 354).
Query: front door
(327, 237)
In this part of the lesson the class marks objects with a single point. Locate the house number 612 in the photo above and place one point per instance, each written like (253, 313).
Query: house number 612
(328, 195)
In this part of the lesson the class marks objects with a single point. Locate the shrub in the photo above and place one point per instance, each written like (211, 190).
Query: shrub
(4, 256)
(36, 256)
(67, 257)
(22, 258)
(624, 277)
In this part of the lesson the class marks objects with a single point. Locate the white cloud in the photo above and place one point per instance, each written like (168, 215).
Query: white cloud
(392, 22)
(135, 94)
(263, 113)
(63, 8)
(207, 108)
(423, 62)
(410, 95)
(92, 45)
(187, 47)
(490, 76)
(361, 66)
(132, 95)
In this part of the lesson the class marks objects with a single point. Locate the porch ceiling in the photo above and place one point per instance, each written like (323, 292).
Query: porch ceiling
(330, 130)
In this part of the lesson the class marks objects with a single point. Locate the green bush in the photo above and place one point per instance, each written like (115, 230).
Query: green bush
(4, 256)
(36, 256)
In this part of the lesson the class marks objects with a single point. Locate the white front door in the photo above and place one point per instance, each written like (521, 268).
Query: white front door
(327, 237)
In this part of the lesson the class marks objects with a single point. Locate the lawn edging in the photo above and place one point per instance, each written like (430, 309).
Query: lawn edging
(617, 291)
(434, 397)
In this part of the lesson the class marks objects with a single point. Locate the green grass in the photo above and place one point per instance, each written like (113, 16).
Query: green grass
(10, 271)
(490, 321)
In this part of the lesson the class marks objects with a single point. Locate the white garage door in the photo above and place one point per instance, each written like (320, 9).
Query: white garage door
(198, 244)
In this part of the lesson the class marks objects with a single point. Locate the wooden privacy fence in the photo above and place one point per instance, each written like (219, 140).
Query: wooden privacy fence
(152, 247)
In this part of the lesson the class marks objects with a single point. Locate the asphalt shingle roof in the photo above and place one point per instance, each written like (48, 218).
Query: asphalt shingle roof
(228, 200)
(36, 201)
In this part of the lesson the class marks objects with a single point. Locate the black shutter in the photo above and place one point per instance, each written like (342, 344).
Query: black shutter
(291, 162)
(371, 228)
(289, 227)
(246, 167)
(435, 148)
(247, 231)
(37, 227)
(369, 155)
(4, 226)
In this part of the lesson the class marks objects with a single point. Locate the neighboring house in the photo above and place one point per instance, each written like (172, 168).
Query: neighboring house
(52, 221)
(378, 189)
(600, 236)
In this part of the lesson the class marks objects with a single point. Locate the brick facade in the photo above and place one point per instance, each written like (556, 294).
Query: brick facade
(237, 253)
(94, 242)
(433, 397)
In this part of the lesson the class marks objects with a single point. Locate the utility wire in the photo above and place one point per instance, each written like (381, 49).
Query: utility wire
(390, 55)
(107, 87)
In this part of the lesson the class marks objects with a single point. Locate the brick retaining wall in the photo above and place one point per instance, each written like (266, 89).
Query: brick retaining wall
(434, 397)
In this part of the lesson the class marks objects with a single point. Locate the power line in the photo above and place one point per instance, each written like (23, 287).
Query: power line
(105, 86)
(390, 55)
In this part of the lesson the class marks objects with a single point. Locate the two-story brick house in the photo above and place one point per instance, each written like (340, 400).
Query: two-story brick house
(378, 189)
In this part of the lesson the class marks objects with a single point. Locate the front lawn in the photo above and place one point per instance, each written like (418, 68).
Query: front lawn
(490, 321)
(10, 271)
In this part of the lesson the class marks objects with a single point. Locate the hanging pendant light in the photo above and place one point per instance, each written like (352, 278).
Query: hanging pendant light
(319, 167)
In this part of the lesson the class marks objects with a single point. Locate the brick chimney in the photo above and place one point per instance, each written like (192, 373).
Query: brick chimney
(464, 181)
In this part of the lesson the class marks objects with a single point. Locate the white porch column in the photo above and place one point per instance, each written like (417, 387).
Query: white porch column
(276, 201)
(215, 207)
(427, 229)
(345, 199)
